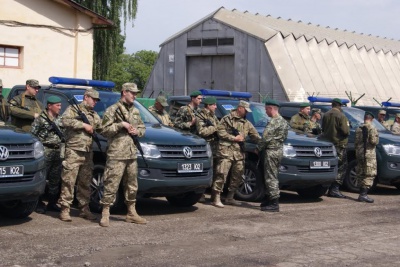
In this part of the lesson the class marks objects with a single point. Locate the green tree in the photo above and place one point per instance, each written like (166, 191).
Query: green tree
(133, 68)
(109, 43)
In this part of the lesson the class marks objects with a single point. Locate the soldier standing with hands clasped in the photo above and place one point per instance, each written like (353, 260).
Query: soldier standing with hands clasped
(48, 128)
(272, 140)
(122, 123)
(367, 138)
(78, 163)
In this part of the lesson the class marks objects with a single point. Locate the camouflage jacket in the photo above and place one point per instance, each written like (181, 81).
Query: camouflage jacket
(76, 136)
(395, 128)
(4, 109)
(335, 127)
(44, 131)
(300, 122)
(183, 119)
(208, 132)
(385, 124)
(274, 134)
(120, 143)
(23, 109)
(163, 116)
(371, 140)
(314, 127)
(228, 148)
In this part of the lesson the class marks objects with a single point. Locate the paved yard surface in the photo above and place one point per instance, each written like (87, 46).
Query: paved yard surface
(326, 232)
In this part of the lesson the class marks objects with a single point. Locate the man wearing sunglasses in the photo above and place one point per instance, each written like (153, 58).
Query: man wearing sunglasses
(24, 108)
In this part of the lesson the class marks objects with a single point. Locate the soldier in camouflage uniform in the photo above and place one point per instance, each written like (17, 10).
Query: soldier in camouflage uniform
(271, 143)
(301, 120)
(367, 138)
(232, 131)
(314, 126)
(24, 108)
(78, 163)
(4, 109)
(51, 139)
(158, 110)
(207, 128)
(336, 129)
(396, 125)
(121, 121)
(381, 119)
(185, 117)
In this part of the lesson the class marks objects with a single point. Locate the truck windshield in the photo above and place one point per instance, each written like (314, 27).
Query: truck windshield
(356, 118)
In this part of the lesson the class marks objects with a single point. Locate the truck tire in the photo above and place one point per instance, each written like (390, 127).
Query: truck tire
(252, 188)
(16, 209)
(185, 199)
(97, 191)
(313, 192)
(350, 181)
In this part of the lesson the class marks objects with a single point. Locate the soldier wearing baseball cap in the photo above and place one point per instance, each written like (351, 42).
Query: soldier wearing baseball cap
(24, 108)
(396, 125)
(381, 119)
(158, 110)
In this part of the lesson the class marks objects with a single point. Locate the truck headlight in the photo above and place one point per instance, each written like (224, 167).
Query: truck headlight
(209, 151)
(334, 151)
(38, 150)
(289, 151)
(149, 151)
(392, 150)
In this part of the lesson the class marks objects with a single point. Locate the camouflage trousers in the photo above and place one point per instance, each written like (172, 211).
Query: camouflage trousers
(272, 161)
(366, 172)
(236, 168)
(115, 171)
(342, 164)
(53, 169)
(77, 167)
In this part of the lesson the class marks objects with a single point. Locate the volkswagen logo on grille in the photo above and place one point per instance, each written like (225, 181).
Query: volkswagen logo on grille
(3, 153)
(318, 152)
(188, 152)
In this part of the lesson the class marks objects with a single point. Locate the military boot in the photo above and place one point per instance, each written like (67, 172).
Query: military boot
(133, 217)
(64, 215)
(105, 216)
(273, 206)
(229, 200)
(52, 205)
(216, 199)
(265, 203)
(40, 207)
(86, 214)
(363, 197)
(334, 191)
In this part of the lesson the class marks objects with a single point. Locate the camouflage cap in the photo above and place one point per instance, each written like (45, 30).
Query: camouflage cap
(1, 82)
(92, 93)
(244, 104)
(272, 102)
(162, 100)
(382, 111)
(131, 87)
(33, 83)
(195, 94)
(397, 115)
(367, 113)
(53, 99)
(210, 100)
(315, 110)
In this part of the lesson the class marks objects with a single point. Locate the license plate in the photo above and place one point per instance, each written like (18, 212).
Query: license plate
(320, 164)
(190, 167)
(11, 171)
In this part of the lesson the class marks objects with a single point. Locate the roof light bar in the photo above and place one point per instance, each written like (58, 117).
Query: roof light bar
(81, 82)
(391, 104)
(224, 93)
(313, 99)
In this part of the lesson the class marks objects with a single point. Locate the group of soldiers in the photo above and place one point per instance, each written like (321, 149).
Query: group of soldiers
(67, 140)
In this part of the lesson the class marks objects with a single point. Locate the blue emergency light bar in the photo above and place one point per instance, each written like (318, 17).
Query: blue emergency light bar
(81, 82)
(224, 93)
(313, 99)
(391, 104)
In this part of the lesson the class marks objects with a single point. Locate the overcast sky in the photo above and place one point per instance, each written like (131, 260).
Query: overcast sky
(157, 20)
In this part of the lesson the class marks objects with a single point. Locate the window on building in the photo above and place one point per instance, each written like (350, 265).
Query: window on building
(194, 42)
(225, 41)
(9, 56)
(210, 42)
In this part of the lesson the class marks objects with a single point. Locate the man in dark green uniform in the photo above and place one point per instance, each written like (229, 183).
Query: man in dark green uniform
(301, 120)
(335, 128)
(4, 112)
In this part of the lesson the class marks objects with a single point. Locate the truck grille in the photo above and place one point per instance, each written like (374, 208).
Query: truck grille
(175, 174)
(19, 151)
(176, 152)
(308, 170)
(309, 151)
(28, 177)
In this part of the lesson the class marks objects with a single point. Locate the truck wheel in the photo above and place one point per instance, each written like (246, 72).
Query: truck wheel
(97, 191)
(16, 209)
(350, 182)
(185, 199)
(313, 192)
(252, 188)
